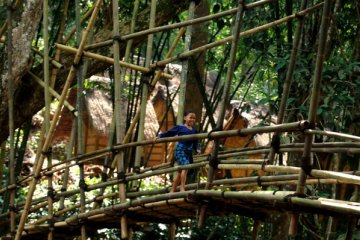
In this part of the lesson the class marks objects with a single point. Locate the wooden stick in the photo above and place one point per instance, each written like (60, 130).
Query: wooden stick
(109, 60)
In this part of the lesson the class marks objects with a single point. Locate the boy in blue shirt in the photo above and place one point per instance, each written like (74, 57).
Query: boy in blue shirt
(183, 149)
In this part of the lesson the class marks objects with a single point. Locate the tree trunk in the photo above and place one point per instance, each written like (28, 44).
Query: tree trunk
(28, 97)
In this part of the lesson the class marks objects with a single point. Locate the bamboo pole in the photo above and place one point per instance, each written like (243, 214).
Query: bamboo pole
(242, 35)
(341, 177)
(54, 122)
(108, 60)
(69, 152)
(333, 134)
(288, 82)
(119, 119)
(145, 89)
(10, 85)
(224, 101)
(54, 62)
(306, 157)
(256, 229)
(46, 58)
(79, 121)
(73, 30)
(179, 25)
(53, 92)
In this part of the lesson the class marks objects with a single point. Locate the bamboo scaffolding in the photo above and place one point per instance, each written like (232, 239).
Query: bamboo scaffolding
(288, 80)
(314, 101)
(244, 34)
(347, 147)
(83, 18)
(224, 101)
(153, 83)
(54, 122)
(332, 134)
(145, 89)
(109, 60)
(54, 93)
(10, 85)
(54, 62)
(50, 216)
(341, 177)
(276, 199)
(179, 25)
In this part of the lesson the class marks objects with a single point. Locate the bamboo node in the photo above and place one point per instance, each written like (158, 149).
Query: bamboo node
(275, 143)
(306, 166)
(210, 138)
(104, 177)
(213, 161)
(83, 185)
(121, 177)
(117, 38)
(47, 153)
(51, 193)
(13, 208)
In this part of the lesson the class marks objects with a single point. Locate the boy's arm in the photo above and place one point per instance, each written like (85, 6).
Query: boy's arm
(170, 133)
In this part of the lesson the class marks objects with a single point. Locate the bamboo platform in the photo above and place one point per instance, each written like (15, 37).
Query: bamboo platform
(173, 207)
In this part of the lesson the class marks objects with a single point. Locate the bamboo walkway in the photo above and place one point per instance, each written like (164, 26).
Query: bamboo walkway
(54, 214)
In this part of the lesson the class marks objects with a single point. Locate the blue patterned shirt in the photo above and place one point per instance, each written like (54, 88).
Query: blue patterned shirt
(181, 130)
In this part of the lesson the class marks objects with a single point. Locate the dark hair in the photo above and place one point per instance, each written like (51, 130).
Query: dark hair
(188, 112)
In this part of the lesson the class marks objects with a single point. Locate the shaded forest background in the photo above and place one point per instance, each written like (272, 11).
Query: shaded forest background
(261, 64)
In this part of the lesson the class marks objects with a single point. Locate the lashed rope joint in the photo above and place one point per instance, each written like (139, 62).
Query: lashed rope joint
(83, 185)
(306, 165)
(121, 176)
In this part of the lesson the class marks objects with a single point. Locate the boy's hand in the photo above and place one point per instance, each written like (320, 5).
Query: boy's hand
(198, 151)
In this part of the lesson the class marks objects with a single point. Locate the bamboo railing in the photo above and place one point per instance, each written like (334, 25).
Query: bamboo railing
(158, 203)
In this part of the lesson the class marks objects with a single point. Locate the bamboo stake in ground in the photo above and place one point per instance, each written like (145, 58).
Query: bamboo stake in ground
(119, 119)
(306, 158)
(54, 122)
(224, 101)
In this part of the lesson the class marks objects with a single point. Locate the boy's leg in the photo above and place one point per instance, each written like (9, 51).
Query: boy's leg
(183, 180)
(176, 181)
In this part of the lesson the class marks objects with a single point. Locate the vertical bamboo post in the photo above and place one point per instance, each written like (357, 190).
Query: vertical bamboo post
(185, 66)
(119, 121)
(306, 161)
(287, 83)
(79, 121)
(329, 228)
(145, 89)
(69, 153)
(172, 231)
(47, 116)
(10, 85)
(54, 122)
(224, 100)
(256, 229)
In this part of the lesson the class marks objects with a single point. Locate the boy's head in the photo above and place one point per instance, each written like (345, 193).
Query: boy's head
(189, 118)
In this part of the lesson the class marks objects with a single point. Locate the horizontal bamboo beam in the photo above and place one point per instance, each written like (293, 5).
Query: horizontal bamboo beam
(52, 61)
(341, 177)
(109, 60)
(54, 93)
(333, 134)
(226, 40)
(177, 25)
